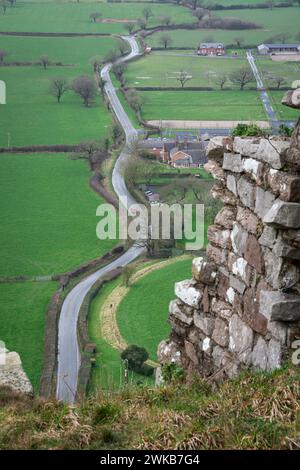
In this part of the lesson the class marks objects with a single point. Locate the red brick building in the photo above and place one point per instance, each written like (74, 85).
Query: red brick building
(211, 48)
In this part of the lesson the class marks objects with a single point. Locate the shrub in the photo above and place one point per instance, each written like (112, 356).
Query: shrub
(248, 130)
(136, 356)
(106, 413)
(172, 372)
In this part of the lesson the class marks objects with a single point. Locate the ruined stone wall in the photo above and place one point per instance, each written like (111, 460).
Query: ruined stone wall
(241, 309)
(12, 373)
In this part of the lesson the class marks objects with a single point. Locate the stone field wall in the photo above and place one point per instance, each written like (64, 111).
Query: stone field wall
(241, 309)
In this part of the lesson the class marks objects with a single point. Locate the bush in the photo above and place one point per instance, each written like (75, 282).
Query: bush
(106, 413)
(248, 130)
(136, 356)
(172, 372)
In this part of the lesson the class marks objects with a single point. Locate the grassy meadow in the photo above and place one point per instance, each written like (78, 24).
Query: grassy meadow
(202, 105)
(48, 215)
(22, 321)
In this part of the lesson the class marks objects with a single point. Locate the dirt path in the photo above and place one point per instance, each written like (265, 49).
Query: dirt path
(108, 313)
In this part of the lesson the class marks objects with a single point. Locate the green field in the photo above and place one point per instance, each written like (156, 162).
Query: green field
(48, 216)
(161, 70)
(22, 319)
(32, 116)
(57, 16)
(142, 314)
(283, 112)
(278, 20)
(202, 105)
(290, 71)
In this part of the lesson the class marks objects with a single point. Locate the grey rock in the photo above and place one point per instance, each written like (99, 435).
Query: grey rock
(218, 355)
(187, 292)
(232, 162)
(240, 339)
(284, 250)
(246, 192)
(263, 202)
(260, 354)
(246, 147)
(268, 237)
(221, 332)
(273, 152)
(280, 273)
(205, 324)
(168, 351)
(238, 239)
(283, 214)
(236, 284)
(231, 184)
(275, 354)
(253, 167)
(278, 330)
(176, 312)
(276, 305)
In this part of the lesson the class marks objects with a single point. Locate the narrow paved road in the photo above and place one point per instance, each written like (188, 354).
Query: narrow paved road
(68, 356)
(263, 94)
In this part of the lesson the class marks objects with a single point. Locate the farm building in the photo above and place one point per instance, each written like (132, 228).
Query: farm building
(211, 48)
(278, 49)
(184, 154)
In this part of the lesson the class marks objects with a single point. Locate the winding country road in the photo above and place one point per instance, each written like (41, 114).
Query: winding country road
(68, 355)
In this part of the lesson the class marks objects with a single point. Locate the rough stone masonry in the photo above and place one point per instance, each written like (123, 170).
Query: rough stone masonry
(241, 309)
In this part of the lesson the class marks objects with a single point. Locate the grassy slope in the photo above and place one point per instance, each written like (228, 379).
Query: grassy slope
(32, 115)
(74, 17)
(210, 105)
(142, 314)
(278, 20)
(283, 112)
(161, 70)
(48, 215)
(256, 411)
(22, 318)
(108, 372)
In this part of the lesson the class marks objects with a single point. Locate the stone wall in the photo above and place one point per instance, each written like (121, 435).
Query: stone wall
(12, 373)
(241, 309)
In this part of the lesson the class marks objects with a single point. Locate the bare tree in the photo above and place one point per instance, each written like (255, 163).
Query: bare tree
(129, 27)
(123, 48)
(101, 84)
(94, 151)
(199, 13)
(241, 77)
(279, 81)
(135, 100)
(165, 40)
(281, 37)
(147, 13)
(95, 16)
(239, 41)
(85, 87)
(183, 78)
(271, 4)
(58, 86)
(4, 5)
(44, 61)
(3, 54)
(96, 63)
(142, 22)
(119, 70)
(166, 20)
(221, 79)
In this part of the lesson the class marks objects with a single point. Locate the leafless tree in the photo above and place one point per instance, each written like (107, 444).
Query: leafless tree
(142, 22)
(4, 5)
(44, 61)
(85, 87)
(147, 13)
(241, 77)
(3, 54)
(95, 152)
(95, 16)
(135, 100)
(221, 79)
(278, 80)
(271, 4)
(165, 40)
(119, 70)
(58, 86)
(199, 13)
(183, 78)
(129, 27)
(122, 47)
(101, 84)
(166, 20)
(96, 63)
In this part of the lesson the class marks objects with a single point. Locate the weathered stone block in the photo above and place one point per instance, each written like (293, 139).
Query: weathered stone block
(260, 354)
(276, 305)
(240, 339)
(247, 147)
(283, 214)
(205, 324)
(219, 192)
(251, 315)
(191, 353)
(216, 254)
(188, 292)
(275, 354)
(221, 309)
(207, 345)
(221, 332)
(215, 170)
(179, 314)
(237, 285)
(278, 330)
(218, 236)
(273, 152)
(284, 250)
(253, 254)
(280, 273)
(238, 239)
(284, 185)
(168, 351)
(204, 271)
(230, 295)
(253, 167)
(232, 162)
(217, 146)
(268, 237)
(223, 285)
(246, 192)
(248, 220)
(242, 269)
(231, 184)
(263, 202)
(226, 216)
